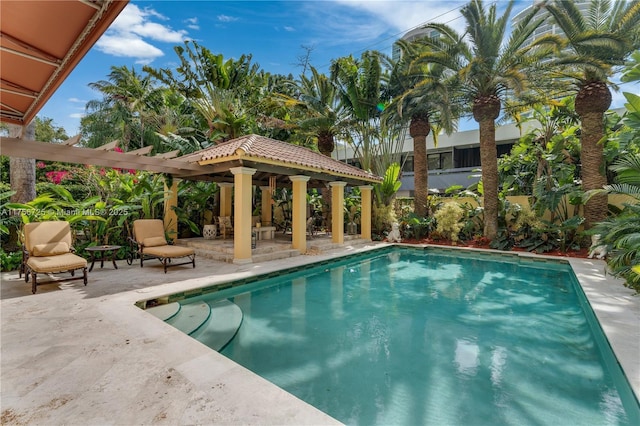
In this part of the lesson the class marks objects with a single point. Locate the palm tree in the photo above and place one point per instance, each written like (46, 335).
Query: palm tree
(127, 96)
(323, 116)
(359, 84)
(595, 45)
(488, 69)
(220, 90)
(420, 93)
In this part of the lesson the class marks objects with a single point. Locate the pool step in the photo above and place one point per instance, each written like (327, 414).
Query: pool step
(222, 326)
(165, 312)
(190, 317)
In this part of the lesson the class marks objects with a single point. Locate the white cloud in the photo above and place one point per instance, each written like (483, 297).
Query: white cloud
(290, 29)
(226, 18)
(377, 24)
(76, 100)
(77, 115)
(132, 33)
(158, 32)
(402, 16)
(192, 23)
(130, 46)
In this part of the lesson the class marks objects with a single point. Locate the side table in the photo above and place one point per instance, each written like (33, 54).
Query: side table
(102, 252)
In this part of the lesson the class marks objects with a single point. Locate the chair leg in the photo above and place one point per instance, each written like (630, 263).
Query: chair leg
(34, 284)
(164, 263)
(84, 271)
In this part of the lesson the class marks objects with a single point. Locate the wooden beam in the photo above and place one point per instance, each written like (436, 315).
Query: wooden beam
(142, 151)
(72, 141)
(170, 154)
(14, 147)
(108, 146)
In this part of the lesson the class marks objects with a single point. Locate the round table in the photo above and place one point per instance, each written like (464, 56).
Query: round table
(102, 252)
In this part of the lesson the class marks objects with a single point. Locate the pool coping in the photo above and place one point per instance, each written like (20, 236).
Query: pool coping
(131, 368)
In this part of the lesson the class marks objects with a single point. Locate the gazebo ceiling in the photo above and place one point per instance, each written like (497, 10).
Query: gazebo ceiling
(41, 42)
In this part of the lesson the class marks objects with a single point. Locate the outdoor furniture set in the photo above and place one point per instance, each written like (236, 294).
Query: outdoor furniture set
(48, 250)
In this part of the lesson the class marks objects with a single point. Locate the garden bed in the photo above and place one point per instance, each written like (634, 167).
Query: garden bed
(484, 244)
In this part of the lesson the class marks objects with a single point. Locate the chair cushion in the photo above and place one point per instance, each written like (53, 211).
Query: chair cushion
(147, 228)
(169, 251)
(36, 233)
(60, 263)
(51, 249)
(154, 241)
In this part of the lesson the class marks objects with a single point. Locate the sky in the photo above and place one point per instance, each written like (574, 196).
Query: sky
(276, 33)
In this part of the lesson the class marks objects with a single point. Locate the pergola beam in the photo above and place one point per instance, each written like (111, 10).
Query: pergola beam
(170, 154)
(142, 151)
(72, 140)
(14, 147)
(108, 146)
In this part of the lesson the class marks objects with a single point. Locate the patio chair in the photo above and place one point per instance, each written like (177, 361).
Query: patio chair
(48, 250)
(226, 228)
(150, 242)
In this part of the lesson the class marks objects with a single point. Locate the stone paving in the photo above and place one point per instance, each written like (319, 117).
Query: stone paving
(78, 355)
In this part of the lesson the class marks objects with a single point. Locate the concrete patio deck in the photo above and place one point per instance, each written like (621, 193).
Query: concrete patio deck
(78, 355)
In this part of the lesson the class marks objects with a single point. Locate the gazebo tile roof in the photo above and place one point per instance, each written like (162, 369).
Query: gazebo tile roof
(261, 147)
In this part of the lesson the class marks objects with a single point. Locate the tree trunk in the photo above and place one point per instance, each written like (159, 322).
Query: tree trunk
(22, 177)
(326, 145)
(485, 111)
(22, 171)
(489, 164)
(419, 130)
(593, 99)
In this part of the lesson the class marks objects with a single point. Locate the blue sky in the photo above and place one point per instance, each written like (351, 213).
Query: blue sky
(272, 31)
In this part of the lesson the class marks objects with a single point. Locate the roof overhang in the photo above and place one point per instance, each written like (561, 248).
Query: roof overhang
(41, 42)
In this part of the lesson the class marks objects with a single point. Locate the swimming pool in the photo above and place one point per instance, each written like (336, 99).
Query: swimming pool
(407, 336)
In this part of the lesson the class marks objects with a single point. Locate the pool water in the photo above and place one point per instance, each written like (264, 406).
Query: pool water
(408, 337)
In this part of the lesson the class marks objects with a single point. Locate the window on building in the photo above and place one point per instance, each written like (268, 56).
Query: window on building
(467, 157)
(440, 161)
(408, 164)
(504, 149)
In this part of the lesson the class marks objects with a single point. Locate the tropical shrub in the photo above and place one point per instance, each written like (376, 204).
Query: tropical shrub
(10, 261)
(449, 221)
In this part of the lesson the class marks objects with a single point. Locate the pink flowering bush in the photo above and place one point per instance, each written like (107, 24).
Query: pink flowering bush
(57, 176)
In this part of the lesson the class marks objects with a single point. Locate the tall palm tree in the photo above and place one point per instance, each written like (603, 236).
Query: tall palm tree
(596, 43)
(421, 92)
(488, 68)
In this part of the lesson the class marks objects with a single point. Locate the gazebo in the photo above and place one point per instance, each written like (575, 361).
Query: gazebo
(250, 160)
(236, 166)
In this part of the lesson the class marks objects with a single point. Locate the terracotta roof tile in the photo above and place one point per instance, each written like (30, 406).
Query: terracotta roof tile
(260, 147)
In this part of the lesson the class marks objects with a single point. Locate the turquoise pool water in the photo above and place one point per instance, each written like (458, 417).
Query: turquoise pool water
(409, 337)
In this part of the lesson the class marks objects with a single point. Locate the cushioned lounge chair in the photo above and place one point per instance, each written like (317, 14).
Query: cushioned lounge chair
(148, 235)
(48, 250)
